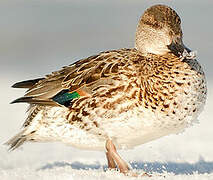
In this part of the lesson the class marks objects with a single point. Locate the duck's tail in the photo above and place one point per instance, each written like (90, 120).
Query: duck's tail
(16, 141)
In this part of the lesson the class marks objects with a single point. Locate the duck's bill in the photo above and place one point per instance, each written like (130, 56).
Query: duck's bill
(182, 51)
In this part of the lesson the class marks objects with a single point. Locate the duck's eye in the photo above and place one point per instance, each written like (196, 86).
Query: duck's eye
(156, 25)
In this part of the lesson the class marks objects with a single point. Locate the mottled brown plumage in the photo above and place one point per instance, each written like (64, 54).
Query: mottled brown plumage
(125, 96)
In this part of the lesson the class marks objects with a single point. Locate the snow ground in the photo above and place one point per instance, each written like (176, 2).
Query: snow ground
(188, 155)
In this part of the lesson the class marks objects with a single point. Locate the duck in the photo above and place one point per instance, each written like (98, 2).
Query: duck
(119, 99)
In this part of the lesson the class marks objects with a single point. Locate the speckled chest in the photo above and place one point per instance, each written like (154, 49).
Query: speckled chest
(169, 90)
(174, 89)
(159, 98)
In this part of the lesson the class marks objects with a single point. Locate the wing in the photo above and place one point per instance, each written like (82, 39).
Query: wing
(77, 79)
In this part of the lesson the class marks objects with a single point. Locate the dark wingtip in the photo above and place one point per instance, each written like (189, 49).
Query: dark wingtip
(21, 100)
(26, 84)
(16, 85)
(33, 100)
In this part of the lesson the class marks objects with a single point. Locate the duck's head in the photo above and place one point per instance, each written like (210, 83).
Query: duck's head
(159, 32)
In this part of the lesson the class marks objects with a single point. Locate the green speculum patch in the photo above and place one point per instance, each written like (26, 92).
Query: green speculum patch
(65, 97)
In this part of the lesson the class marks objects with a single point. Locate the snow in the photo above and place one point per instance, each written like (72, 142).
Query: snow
(67, 171)
(188, 155)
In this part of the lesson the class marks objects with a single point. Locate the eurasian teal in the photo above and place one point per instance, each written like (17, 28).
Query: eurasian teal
(119, 98)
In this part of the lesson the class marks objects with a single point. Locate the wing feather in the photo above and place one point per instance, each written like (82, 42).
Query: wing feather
(83, 74)
(26, 84)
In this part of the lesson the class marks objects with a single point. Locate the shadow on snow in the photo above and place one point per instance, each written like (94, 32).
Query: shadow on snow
(200, 167)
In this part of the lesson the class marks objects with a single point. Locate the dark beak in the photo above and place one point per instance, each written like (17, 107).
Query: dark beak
(179, 49)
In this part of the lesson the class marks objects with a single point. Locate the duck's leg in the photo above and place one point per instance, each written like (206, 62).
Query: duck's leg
(114, 158)
(111, 162)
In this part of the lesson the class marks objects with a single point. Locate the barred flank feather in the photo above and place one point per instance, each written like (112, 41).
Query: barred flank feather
(16, 141)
